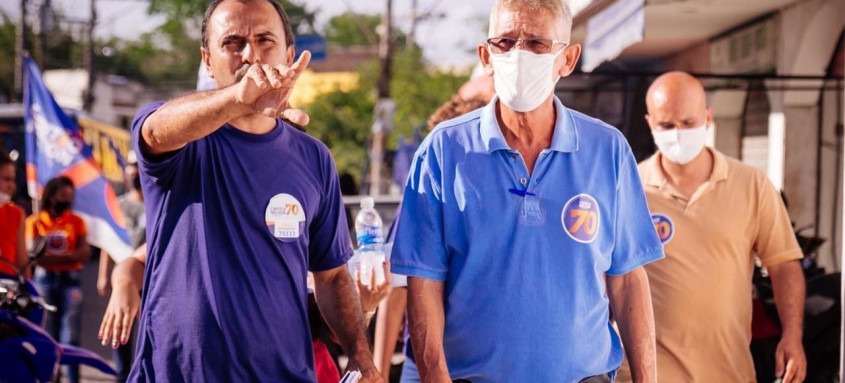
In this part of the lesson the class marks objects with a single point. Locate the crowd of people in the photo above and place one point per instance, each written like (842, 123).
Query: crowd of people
(530, 246)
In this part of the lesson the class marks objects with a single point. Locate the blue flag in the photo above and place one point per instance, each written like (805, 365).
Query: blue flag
(54, 147)
(121, 159)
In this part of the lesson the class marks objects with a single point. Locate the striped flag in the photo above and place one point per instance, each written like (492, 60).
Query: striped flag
(54, 147)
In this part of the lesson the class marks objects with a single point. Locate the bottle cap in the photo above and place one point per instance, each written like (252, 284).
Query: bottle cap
(367, 203)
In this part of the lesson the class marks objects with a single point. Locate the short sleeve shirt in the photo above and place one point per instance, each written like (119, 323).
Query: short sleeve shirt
(701, 291)
(234, 222)
(11, 217)
(523, 257)
(62, 235)
(136, 220)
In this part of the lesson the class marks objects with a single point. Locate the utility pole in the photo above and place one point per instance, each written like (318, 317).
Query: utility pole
(20, 51)
(88, 97)
(384, 106)
(43, 26)
(412, 34)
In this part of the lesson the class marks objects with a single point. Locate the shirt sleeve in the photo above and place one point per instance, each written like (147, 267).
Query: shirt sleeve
(29, 227)
(775, 242)
(419, 248)
(636, 242)
(159, 168)
(79, 226)
(330, 245)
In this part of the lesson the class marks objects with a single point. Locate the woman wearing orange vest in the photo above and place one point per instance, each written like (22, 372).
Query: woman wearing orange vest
(60, 269)
(11, 219)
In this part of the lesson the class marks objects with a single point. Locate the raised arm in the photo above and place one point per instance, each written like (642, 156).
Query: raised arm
(426, 321)
(261, 89)
(630, 300)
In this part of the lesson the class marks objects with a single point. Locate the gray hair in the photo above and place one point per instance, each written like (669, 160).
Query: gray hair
(558, 8)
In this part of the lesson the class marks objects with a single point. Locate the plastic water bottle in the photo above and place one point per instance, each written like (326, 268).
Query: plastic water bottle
(369, 256)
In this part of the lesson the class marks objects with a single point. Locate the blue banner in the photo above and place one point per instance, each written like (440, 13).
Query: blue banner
(54, 147)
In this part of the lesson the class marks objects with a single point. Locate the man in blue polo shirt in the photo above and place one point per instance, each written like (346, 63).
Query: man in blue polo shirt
(524, 223)
(240, 206)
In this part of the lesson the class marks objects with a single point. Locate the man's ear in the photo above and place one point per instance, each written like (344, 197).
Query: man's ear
(206, 61)
(291, 55)
(484, 57)
(570, 56)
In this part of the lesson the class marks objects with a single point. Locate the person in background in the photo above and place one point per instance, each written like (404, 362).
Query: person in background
(523, 223)
(391, 315)
(12, 243)
(58, 276)
(713, 215)
(132, 205)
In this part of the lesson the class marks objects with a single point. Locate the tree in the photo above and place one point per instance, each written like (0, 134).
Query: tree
(302, 20)
(62, 50)
(353, 29)
(343, 120)
(358, 29)
(7, 65)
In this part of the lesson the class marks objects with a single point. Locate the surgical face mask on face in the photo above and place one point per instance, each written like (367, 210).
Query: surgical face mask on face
(680, 145)
(62, 206)
(523, 79)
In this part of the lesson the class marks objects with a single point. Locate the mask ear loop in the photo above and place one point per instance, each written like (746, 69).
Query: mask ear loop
(555, 58)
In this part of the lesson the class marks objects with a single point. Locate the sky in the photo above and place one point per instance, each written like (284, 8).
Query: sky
(448, 40)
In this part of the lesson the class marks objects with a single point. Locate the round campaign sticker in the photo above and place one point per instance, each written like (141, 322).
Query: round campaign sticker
(664, 226)
(57, 241)
(284, 217)
(581, 218)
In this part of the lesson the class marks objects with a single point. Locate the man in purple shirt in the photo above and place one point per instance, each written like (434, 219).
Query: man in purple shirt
(240, 205)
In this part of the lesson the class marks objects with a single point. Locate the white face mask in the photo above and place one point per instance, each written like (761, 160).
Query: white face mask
(680, 145)
(4, 198)
(523, 79)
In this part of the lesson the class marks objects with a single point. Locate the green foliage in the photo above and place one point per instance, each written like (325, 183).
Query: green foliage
(418, 91)
(302, 20)
(167, 57)
(343, 119)
(357, 29)
(61, 50)
(7, 51)
(352, 29)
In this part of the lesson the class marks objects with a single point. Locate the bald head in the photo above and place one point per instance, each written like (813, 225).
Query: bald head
(675, 87)
(676, 100)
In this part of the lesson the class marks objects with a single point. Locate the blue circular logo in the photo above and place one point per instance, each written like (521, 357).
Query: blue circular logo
(581, 218)
(664, 226)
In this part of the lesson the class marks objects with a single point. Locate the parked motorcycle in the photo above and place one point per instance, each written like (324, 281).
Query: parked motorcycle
(28, 353)
(822, 318)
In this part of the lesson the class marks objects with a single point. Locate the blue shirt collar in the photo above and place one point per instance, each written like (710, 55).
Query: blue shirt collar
(564, 139)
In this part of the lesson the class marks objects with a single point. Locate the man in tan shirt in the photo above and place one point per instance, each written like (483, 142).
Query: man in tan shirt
(713, 214)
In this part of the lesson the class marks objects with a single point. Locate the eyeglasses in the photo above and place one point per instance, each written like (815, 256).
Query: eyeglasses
(537, 45)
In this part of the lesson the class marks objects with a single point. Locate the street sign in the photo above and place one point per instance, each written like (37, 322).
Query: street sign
(314, 43)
